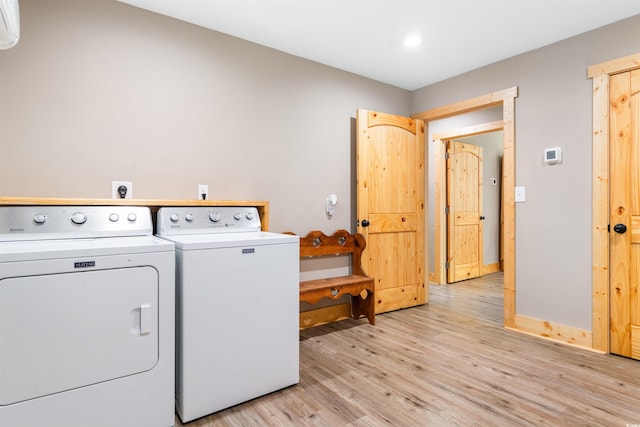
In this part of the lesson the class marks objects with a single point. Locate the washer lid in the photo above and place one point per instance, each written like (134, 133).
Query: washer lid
(230, 240)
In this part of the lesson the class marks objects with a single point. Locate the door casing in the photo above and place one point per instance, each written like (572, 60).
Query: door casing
(506, 99)
(600, 74)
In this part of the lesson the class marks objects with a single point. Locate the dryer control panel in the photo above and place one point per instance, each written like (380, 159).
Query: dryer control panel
(73, 222)
(207, 220)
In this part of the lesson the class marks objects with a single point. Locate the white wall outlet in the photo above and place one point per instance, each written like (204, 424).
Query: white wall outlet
(520, 195)
(121, 190)
(203, 191)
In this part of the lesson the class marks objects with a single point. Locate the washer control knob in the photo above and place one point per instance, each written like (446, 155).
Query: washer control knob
(114, 217)
(78, 218)
(250, 215)
(215, 216)
(40, 218)
(237, 216)
(189, 217)
(174, 217)
(132, 217)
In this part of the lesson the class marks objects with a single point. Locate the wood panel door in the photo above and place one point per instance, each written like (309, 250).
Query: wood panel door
(624, 208)
(390, 180)
(464, 218)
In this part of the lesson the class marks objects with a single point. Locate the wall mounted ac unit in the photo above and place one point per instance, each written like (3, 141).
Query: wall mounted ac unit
(9, 23)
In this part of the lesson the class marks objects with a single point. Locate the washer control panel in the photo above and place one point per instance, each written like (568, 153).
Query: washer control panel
(73, 222)
(207, 220)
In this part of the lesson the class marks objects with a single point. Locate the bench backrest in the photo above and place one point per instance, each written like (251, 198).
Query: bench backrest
(316, 244)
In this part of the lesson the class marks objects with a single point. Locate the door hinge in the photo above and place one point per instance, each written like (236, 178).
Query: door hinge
(447, 265)
(446, 155)
(447, 210)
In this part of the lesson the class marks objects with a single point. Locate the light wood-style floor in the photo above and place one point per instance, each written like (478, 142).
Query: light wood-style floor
(449, 362)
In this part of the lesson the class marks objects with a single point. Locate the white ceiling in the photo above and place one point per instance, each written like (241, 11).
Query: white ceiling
(366, 37)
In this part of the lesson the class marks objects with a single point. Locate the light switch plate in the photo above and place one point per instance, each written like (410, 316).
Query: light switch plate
(520, 195)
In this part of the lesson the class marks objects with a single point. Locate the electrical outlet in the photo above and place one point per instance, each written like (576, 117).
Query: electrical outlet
(120, 189)
(203, 191)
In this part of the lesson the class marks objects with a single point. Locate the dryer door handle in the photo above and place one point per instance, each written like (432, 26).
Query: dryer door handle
(145, 319)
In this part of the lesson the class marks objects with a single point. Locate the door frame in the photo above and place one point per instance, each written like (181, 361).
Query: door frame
(506, 98)
(599, 74)
(440, 225)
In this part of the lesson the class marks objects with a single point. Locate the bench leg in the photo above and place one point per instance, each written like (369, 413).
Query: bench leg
(364, 307)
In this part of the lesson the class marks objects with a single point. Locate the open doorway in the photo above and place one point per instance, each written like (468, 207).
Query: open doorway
(489, 138)
(506, 100)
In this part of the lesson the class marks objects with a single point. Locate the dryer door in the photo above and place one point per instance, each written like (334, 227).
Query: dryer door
(63, 331)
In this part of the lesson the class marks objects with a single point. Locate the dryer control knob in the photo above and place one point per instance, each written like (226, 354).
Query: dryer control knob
(174, 217)
(215, 216)
(189, 217)
(114, 217)
(237, 216)
(78, 218)
(132, 217)
(249, 216)
(40, 218)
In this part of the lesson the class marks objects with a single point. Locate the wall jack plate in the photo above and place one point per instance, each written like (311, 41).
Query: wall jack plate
(203, 191)
(117, 190)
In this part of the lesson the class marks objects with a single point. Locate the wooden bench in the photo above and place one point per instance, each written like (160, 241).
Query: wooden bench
(317, 244)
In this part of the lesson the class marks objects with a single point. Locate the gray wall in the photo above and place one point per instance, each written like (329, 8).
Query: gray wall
(97, 91)
(553, 226)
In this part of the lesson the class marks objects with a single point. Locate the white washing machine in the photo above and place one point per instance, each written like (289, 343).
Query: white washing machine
(237, 309)
(87, 320)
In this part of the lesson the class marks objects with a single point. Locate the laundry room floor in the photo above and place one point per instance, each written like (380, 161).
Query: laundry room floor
(450, 362)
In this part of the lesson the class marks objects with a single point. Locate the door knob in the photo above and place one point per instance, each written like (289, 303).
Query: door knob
(482, 218)
(365, 223)
(620, 228)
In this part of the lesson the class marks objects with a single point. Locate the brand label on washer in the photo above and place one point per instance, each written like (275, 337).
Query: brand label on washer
(84, 264)
(248, 251)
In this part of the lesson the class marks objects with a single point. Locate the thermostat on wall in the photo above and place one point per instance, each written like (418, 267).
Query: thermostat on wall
(552, 155)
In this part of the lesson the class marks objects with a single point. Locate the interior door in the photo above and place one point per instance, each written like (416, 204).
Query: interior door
(624, 208)
(464, 203)
(390, 179)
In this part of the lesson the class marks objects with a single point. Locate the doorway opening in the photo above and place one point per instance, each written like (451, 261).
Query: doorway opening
(490, 137)
(506, 99)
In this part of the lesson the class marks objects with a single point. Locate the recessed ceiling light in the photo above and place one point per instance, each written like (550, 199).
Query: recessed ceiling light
(413, 40)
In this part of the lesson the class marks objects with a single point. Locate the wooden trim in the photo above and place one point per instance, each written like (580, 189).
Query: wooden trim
(479, 103)
(505, 97)
(471, 130)
(615, 66)
(154, 204)
(509, 210)
(439, 231)
(600, 214)
(489, 268)
(558, 333)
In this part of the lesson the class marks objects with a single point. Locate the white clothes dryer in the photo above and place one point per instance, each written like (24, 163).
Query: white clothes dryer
(237, 307)
(87, 319)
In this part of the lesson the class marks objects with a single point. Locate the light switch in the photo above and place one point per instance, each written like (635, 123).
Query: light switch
(520, 198)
